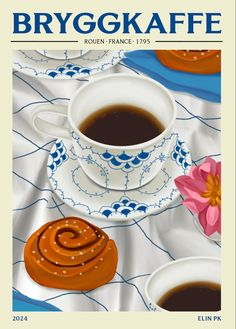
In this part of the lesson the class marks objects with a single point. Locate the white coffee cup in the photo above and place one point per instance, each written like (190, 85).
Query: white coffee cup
(115, 167)
(173, 274)
(62, 54)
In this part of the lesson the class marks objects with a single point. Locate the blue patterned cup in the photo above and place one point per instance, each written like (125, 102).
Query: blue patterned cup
(115, 167)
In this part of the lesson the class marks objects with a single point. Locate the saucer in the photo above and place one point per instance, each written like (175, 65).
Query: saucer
(78, 191)
(62, 54)
(33, 63)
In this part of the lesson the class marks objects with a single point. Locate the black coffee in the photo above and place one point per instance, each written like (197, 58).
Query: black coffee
(193, 296)
(121, 125)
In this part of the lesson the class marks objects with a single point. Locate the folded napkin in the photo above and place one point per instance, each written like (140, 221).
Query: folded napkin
(23, 303)
(206, 86)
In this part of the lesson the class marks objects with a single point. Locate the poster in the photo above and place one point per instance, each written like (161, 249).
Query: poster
(118, 122)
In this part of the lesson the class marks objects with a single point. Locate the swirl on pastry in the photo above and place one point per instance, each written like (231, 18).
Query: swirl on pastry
(71, 254)
(194, 61)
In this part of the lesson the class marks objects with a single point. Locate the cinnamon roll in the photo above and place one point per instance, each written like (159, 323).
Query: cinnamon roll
(71, 254)
(193, 61)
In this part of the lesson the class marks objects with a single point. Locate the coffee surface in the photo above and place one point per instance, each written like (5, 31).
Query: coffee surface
(193, 296)
(121, 125)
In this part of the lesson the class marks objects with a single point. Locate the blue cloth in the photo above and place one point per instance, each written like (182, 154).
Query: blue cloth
(206, 86)
(23, 303)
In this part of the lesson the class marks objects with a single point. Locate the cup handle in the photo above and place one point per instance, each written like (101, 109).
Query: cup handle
(47, 128)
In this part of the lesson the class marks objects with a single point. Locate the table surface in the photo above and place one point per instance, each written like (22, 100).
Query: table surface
(143, 245)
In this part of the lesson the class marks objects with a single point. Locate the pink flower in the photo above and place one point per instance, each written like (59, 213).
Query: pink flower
(202, 188)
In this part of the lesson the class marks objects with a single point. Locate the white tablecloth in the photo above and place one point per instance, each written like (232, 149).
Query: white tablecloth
(143, 245)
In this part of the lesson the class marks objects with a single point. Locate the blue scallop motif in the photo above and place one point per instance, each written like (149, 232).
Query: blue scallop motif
(124, 200)
(58, 162)
(76, 68)
(85, 71)
(107, 213)
(53, 74)
(54, 155)
(64, 157)
(68, 69)
(183, 153)
(143, 155)
(124, 157)
(136, 161)
(115, 162)
(124, 206)
(125, 162)
(185, 165)
(70, 73)
(142, 208)
(179, 155)
(116, 206)
(174, 155)
(107, 156)
(125, 211)
(132, 204)
(58, 156)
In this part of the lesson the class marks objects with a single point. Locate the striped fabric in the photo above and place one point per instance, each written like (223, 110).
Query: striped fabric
(144, 244)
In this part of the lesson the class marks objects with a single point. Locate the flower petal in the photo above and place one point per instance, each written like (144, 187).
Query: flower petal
(188, 186)
(202, 219)
(195, 173)
(213, 215)
(218, 169)
(208, 228)
(195, 205)
(203, 222)
(208, 167)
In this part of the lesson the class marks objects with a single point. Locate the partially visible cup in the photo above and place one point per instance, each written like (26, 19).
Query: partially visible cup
(115, 167)
(176, 273)
(62, 54)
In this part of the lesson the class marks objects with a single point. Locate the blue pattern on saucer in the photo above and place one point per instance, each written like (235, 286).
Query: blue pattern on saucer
(124, 206)
(68, 69)
(179, 154)
(58, 156)
(33, 63)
